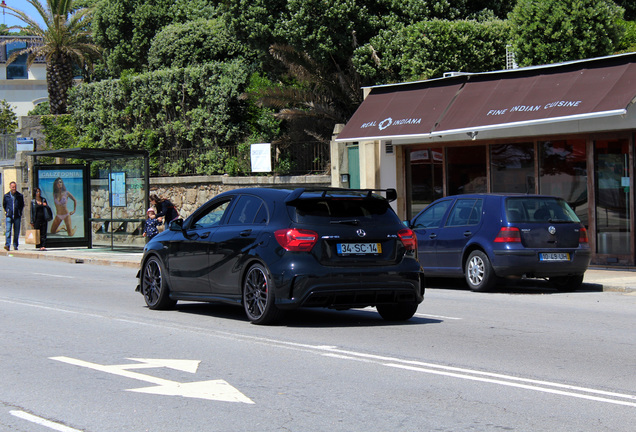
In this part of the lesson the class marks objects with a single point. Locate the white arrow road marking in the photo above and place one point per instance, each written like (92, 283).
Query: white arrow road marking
(180, 365)
(212, 390)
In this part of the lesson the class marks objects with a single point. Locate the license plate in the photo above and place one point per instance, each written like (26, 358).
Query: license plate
(560, 256)
(359, 248)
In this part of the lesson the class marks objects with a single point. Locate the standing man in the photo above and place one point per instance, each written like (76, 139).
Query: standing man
(13, 204)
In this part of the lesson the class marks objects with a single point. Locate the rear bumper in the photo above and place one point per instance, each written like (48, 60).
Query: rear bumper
(526, 262)
(345, 288)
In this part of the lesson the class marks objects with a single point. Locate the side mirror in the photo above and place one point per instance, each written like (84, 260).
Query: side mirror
(176, 225)
(391, 195)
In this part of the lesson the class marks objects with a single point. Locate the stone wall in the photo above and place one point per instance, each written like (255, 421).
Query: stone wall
(189, 193)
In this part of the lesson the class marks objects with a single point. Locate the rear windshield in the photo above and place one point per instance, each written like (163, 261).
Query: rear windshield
(346, 210)
(539, 209)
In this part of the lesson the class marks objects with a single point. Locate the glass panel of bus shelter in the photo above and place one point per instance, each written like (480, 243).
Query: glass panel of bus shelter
(512, 168)
(563, 173)
(466, 170)
(426, 178)
(611, 182)
(118, 203)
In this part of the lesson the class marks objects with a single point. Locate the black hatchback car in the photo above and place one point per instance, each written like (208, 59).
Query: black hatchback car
(274, 249)
(486, 236)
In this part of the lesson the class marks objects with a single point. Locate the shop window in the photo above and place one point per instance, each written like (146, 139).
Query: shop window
(611, 181)
(426, 177)
(466, 167)
(17, 69)
(512, 168)
(563, 173)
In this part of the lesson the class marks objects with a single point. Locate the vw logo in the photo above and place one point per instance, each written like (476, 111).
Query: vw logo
(551, 230)
(361, 233)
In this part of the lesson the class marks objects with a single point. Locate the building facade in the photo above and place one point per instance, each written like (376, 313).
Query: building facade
(566, 129)
(20, 86)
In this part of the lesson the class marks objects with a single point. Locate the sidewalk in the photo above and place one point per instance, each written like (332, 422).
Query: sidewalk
(605, 279)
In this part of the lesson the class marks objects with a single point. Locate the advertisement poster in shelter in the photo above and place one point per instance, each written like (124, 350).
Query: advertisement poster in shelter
(65, 188)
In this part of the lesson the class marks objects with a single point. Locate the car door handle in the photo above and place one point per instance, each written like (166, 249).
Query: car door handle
(205, 235)
(432, 236)
(245, 233)
(467, 233)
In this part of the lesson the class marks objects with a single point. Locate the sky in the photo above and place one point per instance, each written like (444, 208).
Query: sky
(25, 7)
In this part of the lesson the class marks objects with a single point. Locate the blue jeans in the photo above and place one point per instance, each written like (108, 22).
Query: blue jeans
(12, 225)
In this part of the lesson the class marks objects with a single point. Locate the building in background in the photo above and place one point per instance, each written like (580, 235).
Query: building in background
(21, 87)
(564, 129)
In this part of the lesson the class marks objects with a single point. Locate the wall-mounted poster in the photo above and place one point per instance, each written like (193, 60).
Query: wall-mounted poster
(118, 189)
(65, 188)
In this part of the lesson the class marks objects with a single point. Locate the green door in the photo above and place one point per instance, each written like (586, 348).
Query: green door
(354, 167)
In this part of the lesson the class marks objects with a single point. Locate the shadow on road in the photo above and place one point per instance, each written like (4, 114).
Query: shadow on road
(511, 286)
(305, 317)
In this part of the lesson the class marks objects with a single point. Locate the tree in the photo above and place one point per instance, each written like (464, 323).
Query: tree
(66, 41)
(429, 48)
(553, 31)
(125, 29)
(8, 119)
(319, 97)
(194, 42)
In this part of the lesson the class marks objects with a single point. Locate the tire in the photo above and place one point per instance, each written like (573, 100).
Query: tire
(567, 283)
(397, 311)
(154, 286)
(258, 297)
(479, 273)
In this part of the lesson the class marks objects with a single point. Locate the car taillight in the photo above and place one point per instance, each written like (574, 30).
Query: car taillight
(583, 236)
(408, 239)
(508, 235)
(296, 240)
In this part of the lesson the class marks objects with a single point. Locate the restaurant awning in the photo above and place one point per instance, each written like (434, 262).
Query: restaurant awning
(473, 102)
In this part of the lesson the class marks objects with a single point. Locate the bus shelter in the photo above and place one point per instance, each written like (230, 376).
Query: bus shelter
(99, 197)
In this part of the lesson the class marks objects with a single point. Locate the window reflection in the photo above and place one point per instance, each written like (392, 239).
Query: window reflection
(512, 168)
(563, 173)
(426, 177)
(612, 197)
(466, 170)
(17, 69)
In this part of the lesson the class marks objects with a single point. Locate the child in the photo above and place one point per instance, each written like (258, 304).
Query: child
(151, 224)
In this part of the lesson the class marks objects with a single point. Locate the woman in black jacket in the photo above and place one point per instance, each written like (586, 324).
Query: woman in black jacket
(41, 214)
(166, 211)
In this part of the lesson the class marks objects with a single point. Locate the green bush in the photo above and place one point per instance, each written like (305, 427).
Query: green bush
(168, 109)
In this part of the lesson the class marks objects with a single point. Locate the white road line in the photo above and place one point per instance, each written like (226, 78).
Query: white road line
(436, 316)
(54, 275)
(418, 366)
(43, 422)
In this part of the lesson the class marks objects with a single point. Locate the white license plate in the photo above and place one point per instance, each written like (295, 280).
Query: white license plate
(560, 256)
(359, 248)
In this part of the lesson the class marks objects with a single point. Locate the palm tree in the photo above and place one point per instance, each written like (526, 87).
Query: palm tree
(66, 42)
(322, 95)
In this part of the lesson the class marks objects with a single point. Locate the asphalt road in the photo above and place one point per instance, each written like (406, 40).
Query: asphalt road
(81, 352)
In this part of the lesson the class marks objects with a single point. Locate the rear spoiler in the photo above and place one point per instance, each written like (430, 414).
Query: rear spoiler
(390, 194)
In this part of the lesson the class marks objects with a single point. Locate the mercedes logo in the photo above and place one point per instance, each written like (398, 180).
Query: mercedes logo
(551, 230)
(361, 233)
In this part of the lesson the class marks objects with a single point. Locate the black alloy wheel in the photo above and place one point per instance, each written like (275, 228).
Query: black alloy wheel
(154, 287)
(258, 297)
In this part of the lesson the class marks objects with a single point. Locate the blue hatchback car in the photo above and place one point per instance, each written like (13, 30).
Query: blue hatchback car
(483, 237)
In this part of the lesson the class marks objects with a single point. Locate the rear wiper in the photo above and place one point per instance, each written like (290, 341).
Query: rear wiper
(346, 221)
(558, 220)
